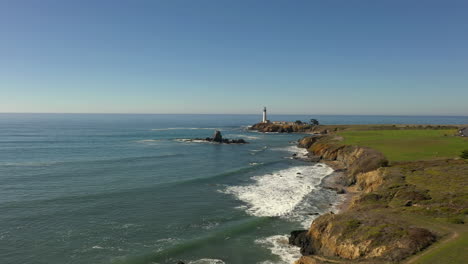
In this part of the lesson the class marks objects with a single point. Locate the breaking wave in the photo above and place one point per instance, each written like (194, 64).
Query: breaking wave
(207, 261)
(183, 128)
(279, 246)
(300, 152)
(278, 194)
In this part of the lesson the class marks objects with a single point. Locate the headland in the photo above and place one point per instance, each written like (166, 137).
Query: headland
(406, 188)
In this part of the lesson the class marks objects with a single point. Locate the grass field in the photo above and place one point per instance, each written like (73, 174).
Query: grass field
(436, 185)
(452, 252)
(409, 145)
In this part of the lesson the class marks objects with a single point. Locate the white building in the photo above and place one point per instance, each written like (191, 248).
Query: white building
(265, 120)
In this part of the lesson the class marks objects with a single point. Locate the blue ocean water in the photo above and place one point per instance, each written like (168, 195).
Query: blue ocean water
(91, 188)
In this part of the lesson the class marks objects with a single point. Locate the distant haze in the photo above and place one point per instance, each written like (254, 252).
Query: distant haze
(295, 57)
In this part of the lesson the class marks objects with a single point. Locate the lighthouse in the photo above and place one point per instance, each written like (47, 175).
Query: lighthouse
(264, 115)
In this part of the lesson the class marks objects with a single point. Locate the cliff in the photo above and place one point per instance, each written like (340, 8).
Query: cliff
(369, 230)
(355, 159)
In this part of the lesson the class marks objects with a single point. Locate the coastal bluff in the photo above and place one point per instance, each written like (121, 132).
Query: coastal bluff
(369, 228)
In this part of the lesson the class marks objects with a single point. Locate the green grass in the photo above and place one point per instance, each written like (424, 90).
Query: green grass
(453, 252)
(409, 145)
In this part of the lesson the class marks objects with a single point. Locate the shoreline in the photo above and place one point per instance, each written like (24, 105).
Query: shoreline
(372, 188)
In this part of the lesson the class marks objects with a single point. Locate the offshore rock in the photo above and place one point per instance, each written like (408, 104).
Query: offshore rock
(217, 137)
(301, 239)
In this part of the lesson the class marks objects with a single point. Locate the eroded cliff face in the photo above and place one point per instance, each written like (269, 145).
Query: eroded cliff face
(355, 159)
(365, 236)
(360, 232)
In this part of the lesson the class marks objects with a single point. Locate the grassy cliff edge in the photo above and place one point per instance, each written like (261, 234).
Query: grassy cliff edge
(401, 207)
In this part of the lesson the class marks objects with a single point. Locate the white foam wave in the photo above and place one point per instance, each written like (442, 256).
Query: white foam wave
(183, 128)
(300, 152)
(279, 246)
(279, 193)
(188, 140)
(207, 261)
(255, 151)
(148, 141)
(241, 136)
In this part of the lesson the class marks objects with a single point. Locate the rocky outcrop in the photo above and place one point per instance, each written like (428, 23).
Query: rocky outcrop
(217, 138)
(360, 233)
(300, 238)
(351, 236)
(283, 128)
(355, 159)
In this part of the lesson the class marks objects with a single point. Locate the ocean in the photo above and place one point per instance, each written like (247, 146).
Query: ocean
(111, 188)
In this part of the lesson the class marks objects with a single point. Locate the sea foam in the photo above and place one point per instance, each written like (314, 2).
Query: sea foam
(207, 261)
(241, 136)
(185, 128)
(278, 194)
(300, 152)
(279, 245)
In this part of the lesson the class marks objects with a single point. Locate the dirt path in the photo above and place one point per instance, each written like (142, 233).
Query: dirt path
(454, 235)
(450, 233)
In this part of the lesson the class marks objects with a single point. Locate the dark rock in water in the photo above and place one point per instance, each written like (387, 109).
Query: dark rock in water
(180, 262)
(301, 239)
(217, 136)
(238, 141)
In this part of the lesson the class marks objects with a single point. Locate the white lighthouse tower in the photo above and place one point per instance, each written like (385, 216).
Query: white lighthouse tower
(264, 115)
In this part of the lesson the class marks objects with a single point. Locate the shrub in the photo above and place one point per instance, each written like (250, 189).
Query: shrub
(464, 154)
(456, 220)
(352, 224)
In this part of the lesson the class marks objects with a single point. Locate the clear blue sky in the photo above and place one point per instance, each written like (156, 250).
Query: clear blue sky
(302, 57)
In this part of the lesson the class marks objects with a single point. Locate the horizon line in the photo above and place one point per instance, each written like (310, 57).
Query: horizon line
(117, 113)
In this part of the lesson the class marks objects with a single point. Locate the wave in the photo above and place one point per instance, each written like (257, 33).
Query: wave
(103, 161)
(241, 136)
(146, 141)
(300, 152)
(131, 191)
(279, 246)
(171, 252)
(185, 128)
(255, 151)
(278, 194)
(188, 140)
(207, 261)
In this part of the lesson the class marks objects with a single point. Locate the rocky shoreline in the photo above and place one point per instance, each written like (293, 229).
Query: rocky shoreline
(348, 235)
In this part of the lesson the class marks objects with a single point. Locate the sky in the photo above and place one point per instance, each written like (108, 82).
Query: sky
(385, 57)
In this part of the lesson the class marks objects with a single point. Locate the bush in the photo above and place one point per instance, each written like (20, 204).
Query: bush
(456, 220)
(464, 154)
(352, 224)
